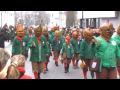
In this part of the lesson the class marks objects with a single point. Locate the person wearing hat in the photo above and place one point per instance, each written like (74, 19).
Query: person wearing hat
(37, 46)
(107, 51)
(116, 37)
(76, 44)
(87, 51)
(67, 53)
(52, 32)
(47, 47)
(18, 45)
(57, 45)
(26, 39)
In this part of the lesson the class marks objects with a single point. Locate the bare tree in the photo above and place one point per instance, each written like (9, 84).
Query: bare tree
(71, 18)
(36, 17)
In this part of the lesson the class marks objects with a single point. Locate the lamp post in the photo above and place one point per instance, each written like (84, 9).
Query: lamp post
(82, 19)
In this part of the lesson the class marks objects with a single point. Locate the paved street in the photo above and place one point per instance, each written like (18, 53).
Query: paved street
(54, 72)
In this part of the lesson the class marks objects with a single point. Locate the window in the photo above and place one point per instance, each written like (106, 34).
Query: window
(87, 23)
(93, 23)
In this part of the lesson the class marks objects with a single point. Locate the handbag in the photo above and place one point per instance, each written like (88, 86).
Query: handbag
(95, 65)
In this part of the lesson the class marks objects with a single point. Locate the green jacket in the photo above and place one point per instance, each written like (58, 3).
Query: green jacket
(27, 39)
(38, 52)
(47, 46)
(117, 39)
(68, 49)
(87, 50)
(18, 47)
(52, 34)
(107, 52)
(57, 45)
(75, 43)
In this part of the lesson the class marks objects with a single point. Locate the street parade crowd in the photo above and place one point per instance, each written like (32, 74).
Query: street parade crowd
(97, 49)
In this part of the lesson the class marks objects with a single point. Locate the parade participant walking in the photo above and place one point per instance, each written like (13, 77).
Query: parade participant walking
(56, 46)
(48, 42)
(38, 55)
(52, 32)
(107, 51)
(116, 37)
(18, 45)
(75, 43)
(87, 51)
(67, 53)
(26, 39)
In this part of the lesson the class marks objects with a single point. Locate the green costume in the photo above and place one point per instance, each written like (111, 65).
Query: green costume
(117, 39)
(76, 44)
(52, 34)
(48, 44)
(18, 47)
(57, 44)
(68, 49)
(87, 50)
(107, 52)
(38, 53)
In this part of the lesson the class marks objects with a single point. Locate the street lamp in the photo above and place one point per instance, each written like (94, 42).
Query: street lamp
(82, 19)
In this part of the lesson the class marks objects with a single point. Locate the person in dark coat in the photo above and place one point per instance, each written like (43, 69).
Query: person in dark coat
(3, 38)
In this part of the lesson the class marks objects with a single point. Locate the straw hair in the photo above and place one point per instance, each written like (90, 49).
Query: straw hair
(18, 60)
(45, 28)
(12, 72)
(104, 26)
(19, 27)
(118, 28)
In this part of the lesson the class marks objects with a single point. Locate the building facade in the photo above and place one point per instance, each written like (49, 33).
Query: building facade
(115, 20)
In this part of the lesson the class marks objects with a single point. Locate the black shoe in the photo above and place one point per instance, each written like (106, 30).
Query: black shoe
(56, 63)
(66, 70)
(46, 69)
(39, 76)
(92, 75)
